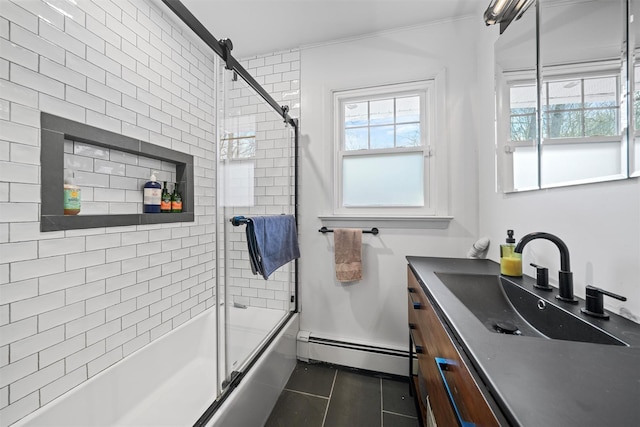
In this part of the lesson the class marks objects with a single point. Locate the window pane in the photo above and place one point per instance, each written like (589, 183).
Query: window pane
(381, 137)
(523, 102)
(408, 135)
(381, 112)
(601, 122)
(562, 124)
(600, 92)
(523, 97)
(525, 168)
(245, 148)
(356, 139)
(224, 149)
(356, 114)
(575, 162)
(408, 109)
(383, 180)
(523, 128)
(564, 95)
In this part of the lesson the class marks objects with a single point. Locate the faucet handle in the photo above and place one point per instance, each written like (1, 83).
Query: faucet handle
(542, 277)
(594, 301)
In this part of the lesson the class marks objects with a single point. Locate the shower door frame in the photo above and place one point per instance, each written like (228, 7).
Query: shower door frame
(223, 49)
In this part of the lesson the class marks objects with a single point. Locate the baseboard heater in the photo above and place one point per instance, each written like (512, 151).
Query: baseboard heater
(359, 347)
(357, 355)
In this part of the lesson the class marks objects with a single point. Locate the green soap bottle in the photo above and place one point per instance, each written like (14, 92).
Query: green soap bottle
(510, 260)
(176, 200)
(165, 201)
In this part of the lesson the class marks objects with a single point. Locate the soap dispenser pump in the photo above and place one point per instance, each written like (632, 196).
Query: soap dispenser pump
(510, 260)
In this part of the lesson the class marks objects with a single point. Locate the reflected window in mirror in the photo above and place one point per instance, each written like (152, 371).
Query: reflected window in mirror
(579, 84)
(582, 133)
(522, 144)
(516, 105)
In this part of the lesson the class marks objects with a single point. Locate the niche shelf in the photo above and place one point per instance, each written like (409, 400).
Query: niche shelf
(56, 130)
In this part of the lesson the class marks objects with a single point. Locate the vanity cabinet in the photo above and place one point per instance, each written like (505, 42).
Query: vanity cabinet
(447, 393)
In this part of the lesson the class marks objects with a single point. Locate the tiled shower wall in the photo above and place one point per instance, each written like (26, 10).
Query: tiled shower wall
(273, 171)
(74, 302)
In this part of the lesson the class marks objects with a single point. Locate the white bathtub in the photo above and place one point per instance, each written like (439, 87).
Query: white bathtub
(247, 328)
(170, 382)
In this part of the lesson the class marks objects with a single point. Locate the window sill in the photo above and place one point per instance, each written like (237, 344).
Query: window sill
(366, 221)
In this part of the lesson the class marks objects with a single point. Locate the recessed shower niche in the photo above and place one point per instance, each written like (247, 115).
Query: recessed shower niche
(110, 170)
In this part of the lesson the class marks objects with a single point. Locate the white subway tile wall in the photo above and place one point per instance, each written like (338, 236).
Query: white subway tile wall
(270, 191)
(73, 303)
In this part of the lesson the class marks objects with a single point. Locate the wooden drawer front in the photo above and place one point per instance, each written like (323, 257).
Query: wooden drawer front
(436, 343)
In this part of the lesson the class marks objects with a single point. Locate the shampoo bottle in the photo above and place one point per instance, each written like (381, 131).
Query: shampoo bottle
(510, 260)
(152, 194)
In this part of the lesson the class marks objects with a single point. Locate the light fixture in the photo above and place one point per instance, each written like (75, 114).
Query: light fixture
(505, 11)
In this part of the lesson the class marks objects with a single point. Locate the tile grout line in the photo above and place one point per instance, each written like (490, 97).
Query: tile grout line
(326, 410)
(400, 415)
(306, 394)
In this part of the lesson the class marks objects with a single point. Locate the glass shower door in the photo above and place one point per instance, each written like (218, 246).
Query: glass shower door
(255, 177)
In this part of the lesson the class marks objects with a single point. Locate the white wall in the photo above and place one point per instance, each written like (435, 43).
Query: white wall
(74, 302)
(374, 309)
(600, 223)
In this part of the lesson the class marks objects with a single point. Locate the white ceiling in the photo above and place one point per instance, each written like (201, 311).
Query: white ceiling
(264, 26)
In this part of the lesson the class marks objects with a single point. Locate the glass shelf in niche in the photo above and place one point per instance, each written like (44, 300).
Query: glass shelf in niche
(110, 171)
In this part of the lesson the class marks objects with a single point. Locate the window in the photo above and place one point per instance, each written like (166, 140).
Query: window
(581, 129)
(385, 150)
(238, 139)
(581, 108)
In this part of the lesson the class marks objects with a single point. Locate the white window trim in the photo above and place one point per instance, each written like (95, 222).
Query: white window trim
(435, 152)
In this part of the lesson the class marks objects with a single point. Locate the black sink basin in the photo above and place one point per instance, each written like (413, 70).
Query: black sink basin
(506, 307)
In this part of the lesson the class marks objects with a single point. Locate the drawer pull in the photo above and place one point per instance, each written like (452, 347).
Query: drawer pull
(417, 305)
(443, 365)
(419, 349)
(412, 325)
(411, 290)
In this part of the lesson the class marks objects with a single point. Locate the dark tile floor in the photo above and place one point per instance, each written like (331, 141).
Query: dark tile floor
(321, 395)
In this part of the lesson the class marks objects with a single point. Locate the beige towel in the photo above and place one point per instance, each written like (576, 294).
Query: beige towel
(348, 254)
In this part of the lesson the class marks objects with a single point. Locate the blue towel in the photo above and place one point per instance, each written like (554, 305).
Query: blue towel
(272, 242)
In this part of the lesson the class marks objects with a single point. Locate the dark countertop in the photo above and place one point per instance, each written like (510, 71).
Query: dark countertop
(537, 381)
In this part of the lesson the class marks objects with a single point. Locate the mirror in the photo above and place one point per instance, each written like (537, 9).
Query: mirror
(516, 104)
(563, 116)
(582, 91)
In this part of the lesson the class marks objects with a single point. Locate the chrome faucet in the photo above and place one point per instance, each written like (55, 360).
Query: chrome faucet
(565, 276)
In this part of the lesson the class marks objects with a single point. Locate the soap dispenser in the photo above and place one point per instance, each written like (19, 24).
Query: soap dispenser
(152, 195)
(510, 260)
